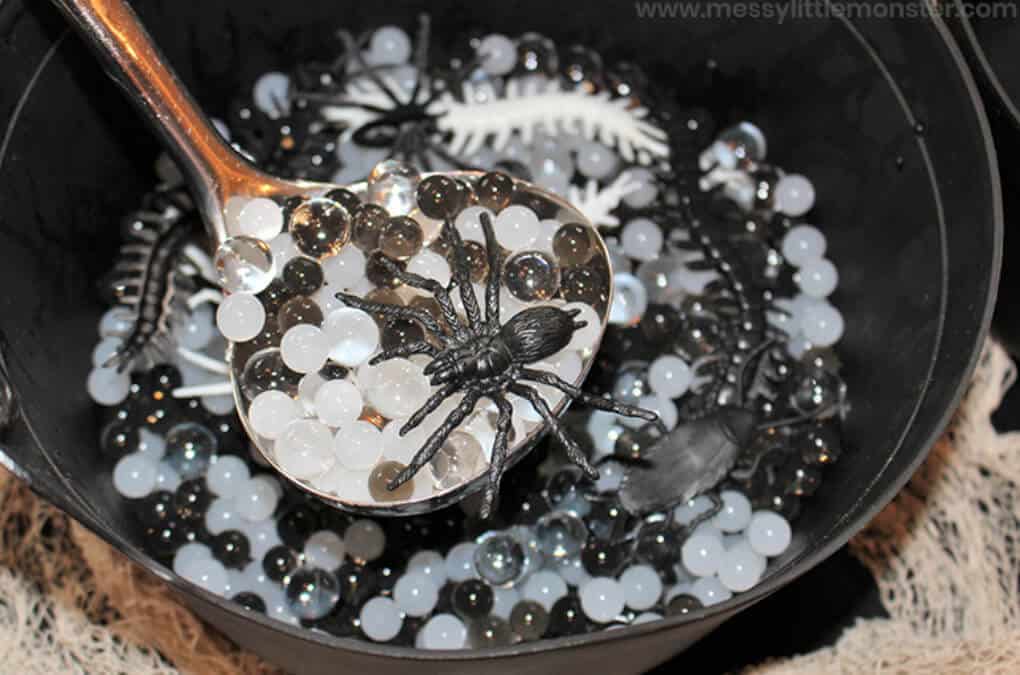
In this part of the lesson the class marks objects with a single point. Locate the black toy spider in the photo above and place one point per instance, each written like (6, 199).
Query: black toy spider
(484, 359)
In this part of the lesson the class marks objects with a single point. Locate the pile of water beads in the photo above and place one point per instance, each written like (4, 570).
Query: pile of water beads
(561, 557)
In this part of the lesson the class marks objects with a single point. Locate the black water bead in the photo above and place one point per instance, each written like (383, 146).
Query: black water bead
(566, 618)
(279, 562)
(250, 601)
(441, 197)
(303, 275)
(682, 604)
(472, 599)
(495, 190)
(297, 524)
(345, 198)
(232, 548)
(357, 584)
(604, 558)
(155, 509)
(119, 438)
(274, 295)
(820, 446)
(192, 499)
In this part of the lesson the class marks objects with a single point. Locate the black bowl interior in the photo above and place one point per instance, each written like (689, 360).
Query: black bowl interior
(879, 114)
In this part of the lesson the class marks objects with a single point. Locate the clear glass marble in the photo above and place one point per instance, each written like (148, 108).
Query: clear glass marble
(244, 265)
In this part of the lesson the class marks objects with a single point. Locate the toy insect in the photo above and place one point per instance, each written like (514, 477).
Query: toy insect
(483, 359)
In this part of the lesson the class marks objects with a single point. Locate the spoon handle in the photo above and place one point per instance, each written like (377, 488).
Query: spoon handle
(212, 168)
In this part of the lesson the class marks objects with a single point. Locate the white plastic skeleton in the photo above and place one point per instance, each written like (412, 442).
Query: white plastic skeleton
(597, 205)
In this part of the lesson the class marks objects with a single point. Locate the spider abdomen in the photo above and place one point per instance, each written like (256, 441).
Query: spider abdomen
(538, 332)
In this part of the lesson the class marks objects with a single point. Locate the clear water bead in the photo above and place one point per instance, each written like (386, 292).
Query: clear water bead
(498, 53)
(740, 568)
(338, 402)
(794, 195)
(365, 541)
(324, 549)
(240, 317)
(312, 593)
(641, 239)
(189, 449)
(358, 445)
(735, 514)
(560, 535)
(630, 300)
(670, 376)
(500, 559)
(304, 348)
(271, 412)
(354, 336)
(381, 619)
(544, 587)
(258, 500)
(769, 533)
(260, 218)
(818, 278)
(227, 475)
(602, 599)
(802, 244)
(399, 387)
(702, 553)
(642, 587)
(134, 476)
(305, 449)
(392, 185)
(516, 227)
(244, 265)
(416, 594)
(443, 631)
(532, 276)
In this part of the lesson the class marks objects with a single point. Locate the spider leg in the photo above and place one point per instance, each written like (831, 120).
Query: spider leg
(579, 394)
(410, 349)
(436, 440)
(395, 311)
(495, 268)
(462, 277)
(499, 450)
(435, 288)
(421, 55)
(351, 46)
(574, 452)
(428, 407)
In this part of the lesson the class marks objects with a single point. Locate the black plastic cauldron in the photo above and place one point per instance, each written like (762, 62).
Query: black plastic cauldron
(882, 114)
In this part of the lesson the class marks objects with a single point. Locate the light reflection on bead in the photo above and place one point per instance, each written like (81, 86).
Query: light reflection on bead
(500, 559)
(312, 593)
(560, 535)
(531, 276)
(244, 265)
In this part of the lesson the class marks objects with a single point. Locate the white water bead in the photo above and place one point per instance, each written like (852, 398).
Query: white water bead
(431, 564)
(503, 601)
(304, 348)
(358, 445)
(641, 239)
(167, 477)
(610, 477)
(198, 329)
(630, 300)
(670, 376)
(769, 533)
(822, 324)
(271, 412)
(151, 444)
(134, 476)
(647, 191)
(443, 631)
(324, 549)
(460, 562)
(380, 619)
(602, 599)
(517, 227)
(399, 387)
(227, 475)
(818, 278)
(240, 317)
(416, 594)
(338, 402)
(258, 500)
(222, 515)
(544, 587)
(685, 514)
(794, 195)
(354, 336)
(388, 46)
(305, 449)
(207, 573)
(662, 406)
(108, 387)
(583, 340)
(430, 265)
(735, 513)
(572, 571)
(547, 229)
(595, 160)
(271, 94)
(498, 54)
(642, 587)
(105, 349)
(710, 591)
(802, 244)
(188, 554)
(740, 568)
(284, 249)
(262, 536)
(308, 387)
(116, 322)
(469, 224)
(403, 448)
(344, 269)
(261, 218)
(701, 553)
(604, 429)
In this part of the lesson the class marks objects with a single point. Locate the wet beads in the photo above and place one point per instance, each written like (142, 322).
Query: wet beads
(529, 620)
(381, 476)
(472, 599)
(189, 449)
(380, 619)
(297, 311)
(494, 190)
(244, 265)
(401, 238)
(500, 559)
(531, 276)
(441, 197)
(368, 223)
(266, 371)
(303, 275)
(573, 244)
(320, 227)
(602, 599)
(312, 593)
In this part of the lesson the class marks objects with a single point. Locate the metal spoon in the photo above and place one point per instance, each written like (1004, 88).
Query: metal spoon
(216, 174)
